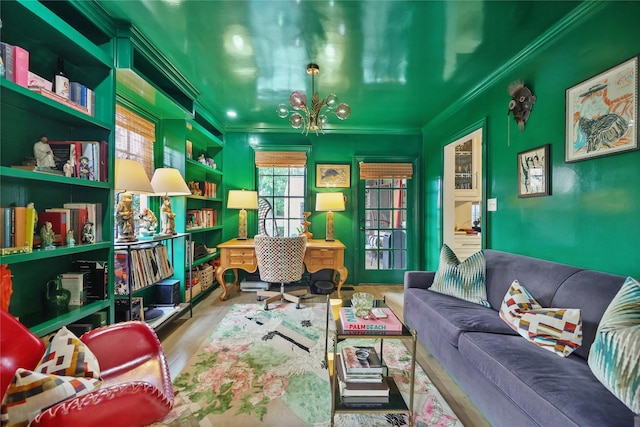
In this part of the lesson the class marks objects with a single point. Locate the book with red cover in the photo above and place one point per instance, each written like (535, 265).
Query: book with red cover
(20, 66)
(350, 322)
(58, 221)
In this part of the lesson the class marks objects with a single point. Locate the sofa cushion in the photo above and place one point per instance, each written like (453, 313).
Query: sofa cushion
(67, 355)
(614, 358)
(464, 280)
(30, 393)
(554, 391)
(451, 316)
(556, 329)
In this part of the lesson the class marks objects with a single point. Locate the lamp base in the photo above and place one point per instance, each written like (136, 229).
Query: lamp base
(329, 236)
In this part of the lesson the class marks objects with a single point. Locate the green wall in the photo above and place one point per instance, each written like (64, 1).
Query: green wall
(590, 218)
(239, 172)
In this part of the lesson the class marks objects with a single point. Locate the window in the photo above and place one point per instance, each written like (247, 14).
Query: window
(134, 140)
(282, 178)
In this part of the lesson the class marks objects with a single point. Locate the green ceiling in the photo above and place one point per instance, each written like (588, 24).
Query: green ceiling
(398, 64)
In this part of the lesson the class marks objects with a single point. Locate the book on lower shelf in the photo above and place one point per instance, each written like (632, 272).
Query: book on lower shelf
(361, 392)
(350, 322)
(361, 360)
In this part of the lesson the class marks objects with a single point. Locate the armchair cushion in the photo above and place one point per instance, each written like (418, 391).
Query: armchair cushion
(67, 355)
(30, 393)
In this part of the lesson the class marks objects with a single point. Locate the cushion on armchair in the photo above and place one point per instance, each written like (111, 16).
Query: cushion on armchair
(613, 357)
(464, 280)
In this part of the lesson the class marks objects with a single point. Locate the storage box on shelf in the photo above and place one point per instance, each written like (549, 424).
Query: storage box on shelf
(140, 266)
(27, 115)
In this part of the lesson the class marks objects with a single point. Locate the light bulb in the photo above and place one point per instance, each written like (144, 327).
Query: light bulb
(282, 111)
(331, 101)
(295, 120)
(343, 111)
(298, 100)
(322, 120)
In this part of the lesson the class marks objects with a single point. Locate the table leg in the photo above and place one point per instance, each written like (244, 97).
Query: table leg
(343, 272)
(220, 278)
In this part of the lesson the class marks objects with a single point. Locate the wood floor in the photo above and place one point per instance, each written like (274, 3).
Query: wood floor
(182, 338)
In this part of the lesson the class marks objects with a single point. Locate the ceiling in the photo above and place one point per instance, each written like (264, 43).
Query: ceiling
(398, 64)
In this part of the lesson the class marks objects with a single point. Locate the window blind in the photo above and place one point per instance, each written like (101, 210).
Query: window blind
(134, 138)
(386, 170)
(281, 159)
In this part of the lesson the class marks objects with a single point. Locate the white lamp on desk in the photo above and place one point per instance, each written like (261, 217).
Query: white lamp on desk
(168, 182)
(131, 178)
(242, 199)
(330, 202)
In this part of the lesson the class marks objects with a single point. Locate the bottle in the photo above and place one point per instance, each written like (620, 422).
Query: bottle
(61, 81)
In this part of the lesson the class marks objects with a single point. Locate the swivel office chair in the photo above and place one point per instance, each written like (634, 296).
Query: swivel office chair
(280, 260)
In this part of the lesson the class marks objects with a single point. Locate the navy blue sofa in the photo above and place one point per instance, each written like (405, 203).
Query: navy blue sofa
(511, 380)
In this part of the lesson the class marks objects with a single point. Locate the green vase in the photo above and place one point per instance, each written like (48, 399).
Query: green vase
(57, 297)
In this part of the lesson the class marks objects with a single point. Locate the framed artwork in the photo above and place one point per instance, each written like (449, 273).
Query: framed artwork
(335, 176)
(533, 172)
(602, 114)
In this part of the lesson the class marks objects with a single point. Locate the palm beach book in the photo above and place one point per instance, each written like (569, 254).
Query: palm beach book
(350, 322)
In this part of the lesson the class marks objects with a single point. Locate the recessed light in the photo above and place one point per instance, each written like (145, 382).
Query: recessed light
(232, 114)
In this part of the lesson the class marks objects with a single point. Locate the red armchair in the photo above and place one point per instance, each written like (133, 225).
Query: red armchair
(137, 386)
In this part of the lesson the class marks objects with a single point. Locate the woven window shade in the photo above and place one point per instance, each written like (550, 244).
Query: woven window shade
(281, 159)
(386, 170)
(134, 138)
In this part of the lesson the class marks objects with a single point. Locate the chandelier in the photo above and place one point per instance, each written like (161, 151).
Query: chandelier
(316, 118)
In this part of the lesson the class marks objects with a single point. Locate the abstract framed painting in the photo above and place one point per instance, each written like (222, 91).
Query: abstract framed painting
(533, 172)
(601, 114)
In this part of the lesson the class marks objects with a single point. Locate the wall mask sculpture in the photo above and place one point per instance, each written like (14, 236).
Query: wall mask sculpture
(521, 104)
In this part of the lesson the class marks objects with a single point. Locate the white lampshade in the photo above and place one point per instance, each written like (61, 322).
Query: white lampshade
(242, 199)
(131, 177)
(169, 182)
(329, 202)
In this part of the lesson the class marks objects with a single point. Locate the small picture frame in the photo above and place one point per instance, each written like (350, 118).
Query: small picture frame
(533, 172)
(602, 114)
(333, 176)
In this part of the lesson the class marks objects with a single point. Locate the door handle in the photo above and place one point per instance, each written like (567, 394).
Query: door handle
(362, 229)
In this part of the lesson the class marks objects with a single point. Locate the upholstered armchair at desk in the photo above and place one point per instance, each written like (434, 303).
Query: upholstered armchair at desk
(136, 388)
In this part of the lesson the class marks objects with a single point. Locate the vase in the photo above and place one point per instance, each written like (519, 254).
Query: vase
(58, 298)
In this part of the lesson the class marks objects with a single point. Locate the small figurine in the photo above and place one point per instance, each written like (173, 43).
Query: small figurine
(86, 171)
(87, 233)
(202, 159)
(149, 222)
(68, 168)
(47, 234)
(70, 240)
(43, 154)
(167, 215)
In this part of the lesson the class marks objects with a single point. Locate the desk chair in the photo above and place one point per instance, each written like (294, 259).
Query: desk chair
(280, 260)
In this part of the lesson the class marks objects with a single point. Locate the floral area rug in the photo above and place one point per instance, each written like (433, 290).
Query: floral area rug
(267, 368)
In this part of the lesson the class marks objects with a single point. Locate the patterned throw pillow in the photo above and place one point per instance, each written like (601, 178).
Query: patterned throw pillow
(68, 356)
(30, 393)
(464, 280)
(556, 329)
(613, 357)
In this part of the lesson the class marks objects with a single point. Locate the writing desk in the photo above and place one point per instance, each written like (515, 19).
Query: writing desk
(241, 254)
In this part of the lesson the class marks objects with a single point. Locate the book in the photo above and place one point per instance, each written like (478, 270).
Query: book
(6, 54)
(74, 282)
(96, 279)
(94, 216)
(359, 378)
(355, 364)
(19, 218)
(21, 66)
(348, 389)
(30, 227)
(350, 322)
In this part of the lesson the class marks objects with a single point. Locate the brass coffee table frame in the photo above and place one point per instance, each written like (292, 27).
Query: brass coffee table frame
(397, 404)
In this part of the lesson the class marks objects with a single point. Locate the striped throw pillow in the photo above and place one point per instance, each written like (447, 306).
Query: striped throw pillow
(613, 357)
(464, 280)
(555, 329)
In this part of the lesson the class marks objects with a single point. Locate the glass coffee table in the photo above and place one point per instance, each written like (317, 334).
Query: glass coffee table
(396, 404)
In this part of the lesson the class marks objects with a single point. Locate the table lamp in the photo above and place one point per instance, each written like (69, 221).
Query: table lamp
(241, 199)
(330, 202)
(168, 182)
(130, 178)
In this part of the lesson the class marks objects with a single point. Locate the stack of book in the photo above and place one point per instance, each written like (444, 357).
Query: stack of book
(361, 377)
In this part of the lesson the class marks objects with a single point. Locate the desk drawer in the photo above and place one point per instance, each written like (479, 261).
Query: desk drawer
(321, 257)
(241, 258)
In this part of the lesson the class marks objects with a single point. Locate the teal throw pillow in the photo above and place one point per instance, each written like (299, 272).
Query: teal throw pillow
(464, 280)
(613, 357)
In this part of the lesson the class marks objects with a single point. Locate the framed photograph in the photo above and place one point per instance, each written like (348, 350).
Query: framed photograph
(602, 114)
(336, 176)
(533, 172)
